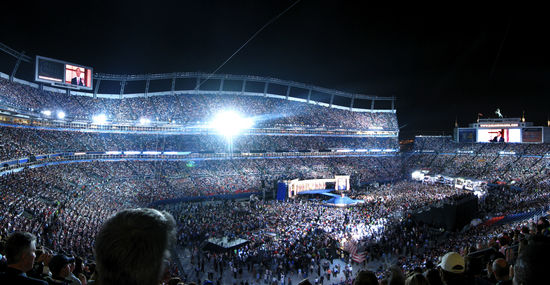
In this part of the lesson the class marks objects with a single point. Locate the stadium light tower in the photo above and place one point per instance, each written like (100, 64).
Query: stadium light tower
(99, 119)
(60, 115)
(230, 124)
(144, 121)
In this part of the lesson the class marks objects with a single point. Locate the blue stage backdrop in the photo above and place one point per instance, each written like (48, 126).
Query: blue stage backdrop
(282, 191)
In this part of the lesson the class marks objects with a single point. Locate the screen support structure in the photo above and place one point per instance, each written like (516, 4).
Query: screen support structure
(19, 58)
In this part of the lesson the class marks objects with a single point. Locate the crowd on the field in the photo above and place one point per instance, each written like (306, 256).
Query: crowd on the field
(64, 206)
(289, 238)
(193, 109)
(51, 200)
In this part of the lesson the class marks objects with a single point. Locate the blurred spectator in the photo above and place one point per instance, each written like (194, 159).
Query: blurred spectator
(133, 247)
(20, 252)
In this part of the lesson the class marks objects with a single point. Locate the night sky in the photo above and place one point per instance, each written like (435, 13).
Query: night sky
(441, 62)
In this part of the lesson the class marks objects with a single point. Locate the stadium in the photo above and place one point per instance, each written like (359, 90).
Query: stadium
(269, 181)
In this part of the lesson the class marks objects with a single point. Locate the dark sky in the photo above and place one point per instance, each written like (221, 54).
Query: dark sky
(441, 62)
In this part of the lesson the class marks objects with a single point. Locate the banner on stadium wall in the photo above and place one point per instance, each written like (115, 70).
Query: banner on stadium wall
(532, 135)
(467, 135)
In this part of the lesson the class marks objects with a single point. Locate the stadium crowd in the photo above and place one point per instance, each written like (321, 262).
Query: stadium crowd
(66, 213)
(21, 142)
(49, 201)
(520, 165)
(192, 109)
(69, 207)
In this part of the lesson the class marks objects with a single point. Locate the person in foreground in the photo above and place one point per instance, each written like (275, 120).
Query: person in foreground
(133, 247)
(20, 253)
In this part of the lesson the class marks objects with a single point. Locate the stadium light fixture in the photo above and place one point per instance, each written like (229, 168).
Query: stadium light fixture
(47, 112)
(144, 121)
(99, 119)
(60, 115)
(230, 123)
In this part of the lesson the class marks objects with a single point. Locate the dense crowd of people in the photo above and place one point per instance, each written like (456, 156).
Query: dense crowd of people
(49, 201)
(64, 206)
(192, 109)
(446, 144)
(77, 211)
(519, 165)
(291, 237)
(21, 142)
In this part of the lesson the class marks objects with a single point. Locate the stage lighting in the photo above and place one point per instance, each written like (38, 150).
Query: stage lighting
(230, 123)
(417, 175)
(99, 119)
(60, 115)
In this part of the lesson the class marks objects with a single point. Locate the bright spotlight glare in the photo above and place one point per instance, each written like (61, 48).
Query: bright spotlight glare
(144, 121)
(99, 119)
(47, 112)
(230, 123)
(61, 115)
(417, 175)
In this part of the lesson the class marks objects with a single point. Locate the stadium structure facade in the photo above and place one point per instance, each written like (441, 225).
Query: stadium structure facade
(368, 128)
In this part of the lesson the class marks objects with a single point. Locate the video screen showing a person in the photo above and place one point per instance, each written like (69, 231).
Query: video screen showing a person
(499, 137)
(78, 77)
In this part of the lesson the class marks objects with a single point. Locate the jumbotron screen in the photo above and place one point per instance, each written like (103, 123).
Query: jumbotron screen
(63, 74)
(499, 135)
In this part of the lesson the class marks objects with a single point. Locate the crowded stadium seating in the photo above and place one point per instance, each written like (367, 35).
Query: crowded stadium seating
(64, 202)
(20, 142)
(193, 109)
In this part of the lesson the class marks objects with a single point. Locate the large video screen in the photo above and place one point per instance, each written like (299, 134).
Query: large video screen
(78, 76)
(532, 135)
(63, 74)
(467, 135)
(499, 135)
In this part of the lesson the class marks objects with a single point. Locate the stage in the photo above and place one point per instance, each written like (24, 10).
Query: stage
(337, 200)
(223, 244)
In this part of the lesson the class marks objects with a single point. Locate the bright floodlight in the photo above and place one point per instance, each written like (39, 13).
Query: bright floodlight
(60, 115)
(99, 119)
(417, 175)
(144, 121)
(230, 123)
(47, 112)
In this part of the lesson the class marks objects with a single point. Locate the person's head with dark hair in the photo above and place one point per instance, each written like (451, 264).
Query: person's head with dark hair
(365, 277)
(430, 264)
(60, 266)
(501, 269)
(396, 276)
(496, 255)
(78, 266)
(542, 226)
(417, 279)
(532, 263)
(174, 281)
(433, 277)
(133, 246)
(20, 251)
